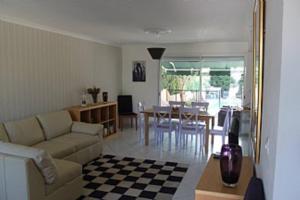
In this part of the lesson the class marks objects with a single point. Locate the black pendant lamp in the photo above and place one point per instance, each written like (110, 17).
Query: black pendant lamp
(156, 52)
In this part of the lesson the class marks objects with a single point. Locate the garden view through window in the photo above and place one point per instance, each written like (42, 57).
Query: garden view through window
(218, 81)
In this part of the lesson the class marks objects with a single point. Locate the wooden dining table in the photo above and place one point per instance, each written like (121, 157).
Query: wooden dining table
(204, 116)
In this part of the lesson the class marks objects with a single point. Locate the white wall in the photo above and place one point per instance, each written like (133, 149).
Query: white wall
(280, 160)
(41, 71)
(272, 69)
(287, 177)
(148, 91)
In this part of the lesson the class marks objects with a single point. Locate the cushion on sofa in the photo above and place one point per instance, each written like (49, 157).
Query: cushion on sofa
(86, 128)
(66, 172)
(55, 123)
(3, 134)
(80, 141)
(26, 132)
(56, 149)
(41, 158)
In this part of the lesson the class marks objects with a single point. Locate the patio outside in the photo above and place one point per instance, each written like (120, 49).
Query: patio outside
(218, 81)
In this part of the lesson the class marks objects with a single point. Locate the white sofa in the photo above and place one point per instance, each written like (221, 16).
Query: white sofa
(71, 144)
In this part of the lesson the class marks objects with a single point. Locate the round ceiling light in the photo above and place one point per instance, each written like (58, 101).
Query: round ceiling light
(157, 31)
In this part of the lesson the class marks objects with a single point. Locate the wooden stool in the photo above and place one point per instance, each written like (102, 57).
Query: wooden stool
(127, 115)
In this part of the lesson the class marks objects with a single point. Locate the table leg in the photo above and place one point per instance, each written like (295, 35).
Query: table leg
(212, 122)
(206, 135)
(146, 129)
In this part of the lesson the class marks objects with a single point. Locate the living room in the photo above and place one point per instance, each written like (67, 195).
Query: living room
(51, 52)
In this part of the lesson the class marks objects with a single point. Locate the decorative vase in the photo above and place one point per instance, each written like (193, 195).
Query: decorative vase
(230, 164)
(83, 100)
(105, 96)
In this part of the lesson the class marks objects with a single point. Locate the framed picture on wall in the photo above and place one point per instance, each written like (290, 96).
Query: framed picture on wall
(139, 71)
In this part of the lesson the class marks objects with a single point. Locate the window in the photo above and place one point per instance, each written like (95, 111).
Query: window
(218, 80)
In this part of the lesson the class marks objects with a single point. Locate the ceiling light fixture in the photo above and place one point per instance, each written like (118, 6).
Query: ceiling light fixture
(156, 52)
(157, 31)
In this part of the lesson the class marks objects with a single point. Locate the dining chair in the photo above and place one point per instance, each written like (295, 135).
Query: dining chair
(141, 120)
(224, 131)
(176, 103)
(202, 105)
(163, 123)
(125, 110)
(189, 124)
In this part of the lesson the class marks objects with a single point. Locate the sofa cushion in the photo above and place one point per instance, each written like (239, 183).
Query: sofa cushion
(26, 132)
(80, 141)
(3, 134)
(55, 123)
(66, 172)
(56, 149)
(41, 158)
(87, 128)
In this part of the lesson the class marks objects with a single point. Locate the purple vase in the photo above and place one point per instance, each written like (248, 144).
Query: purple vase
(231, 163)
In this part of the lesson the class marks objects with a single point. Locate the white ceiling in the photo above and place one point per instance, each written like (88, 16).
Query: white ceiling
(124, 21)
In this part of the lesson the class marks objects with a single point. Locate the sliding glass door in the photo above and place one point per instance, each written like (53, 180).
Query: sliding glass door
(218, 80)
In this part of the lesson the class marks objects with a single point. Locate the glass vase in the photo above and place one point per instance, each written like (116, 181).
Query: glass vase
(230, 164)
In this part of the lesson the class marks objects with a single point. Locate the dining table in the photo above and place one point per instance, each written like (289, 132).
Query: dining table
(203, 116)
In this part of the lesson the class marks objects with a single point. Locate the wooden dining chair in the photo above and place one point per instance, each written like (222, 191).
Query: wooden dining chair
(189, 124)
(141, 120)
(224, 131)
(163, 124)
(125, 110)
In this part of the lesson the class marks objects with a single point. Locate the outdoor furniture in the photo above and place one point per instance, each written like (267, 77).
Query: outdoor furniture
(203, 106)
(175, 115)
(175, 104)
(125, 110)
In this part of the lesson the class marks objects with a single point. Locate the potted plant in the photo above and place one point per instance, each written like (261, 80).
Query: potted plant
(94, 93)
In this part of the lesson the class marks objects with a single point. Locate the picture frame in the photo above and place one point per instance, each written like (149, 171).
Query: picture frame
(139, 71)
(257, 76)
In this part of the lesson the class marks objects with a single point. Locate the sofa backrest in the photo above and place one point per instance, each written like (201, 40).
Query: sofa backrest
(25, 132)
(55, 124)
(3, 134)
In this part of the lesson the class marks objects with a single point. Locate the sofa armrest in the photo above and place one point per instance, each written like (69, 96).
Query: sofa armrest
(23, 174)
(86, 128)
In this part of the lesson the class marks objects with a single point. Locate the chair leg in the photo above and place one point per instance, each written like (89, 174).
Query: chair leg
(121, 123)
(223, 139)
(136, 125)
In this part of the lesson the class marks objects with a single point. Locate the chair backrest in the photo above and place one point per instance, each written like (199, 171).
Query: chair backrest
(162, 114)
(124, 104)
(140, 107)
(188, 119)
(203, 106)
(255, 190)
(176, 103)
(227, 121)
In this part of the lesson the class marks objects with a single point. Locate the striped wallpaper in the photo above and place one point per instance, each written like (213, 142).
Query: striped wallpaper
(41, 71)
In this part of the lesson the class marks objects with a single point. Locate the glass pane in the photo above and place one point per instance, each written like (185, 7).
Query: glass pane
(216, 80)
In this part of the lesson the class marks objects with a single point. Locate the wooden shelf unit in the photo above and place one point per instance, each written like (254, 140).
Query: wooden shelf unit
(103, 113)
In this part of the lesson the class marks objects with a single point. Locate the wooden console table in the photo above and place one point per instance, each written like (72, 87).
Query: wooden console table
(104, 113)
(210, 186)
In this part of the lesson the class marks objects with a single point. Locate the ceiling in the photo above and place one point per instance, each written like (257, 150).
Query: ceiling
(124, 21)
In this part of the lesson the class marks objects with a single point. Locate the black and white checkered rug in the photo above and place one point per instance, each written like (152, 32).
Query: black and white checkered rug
(125, 178)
